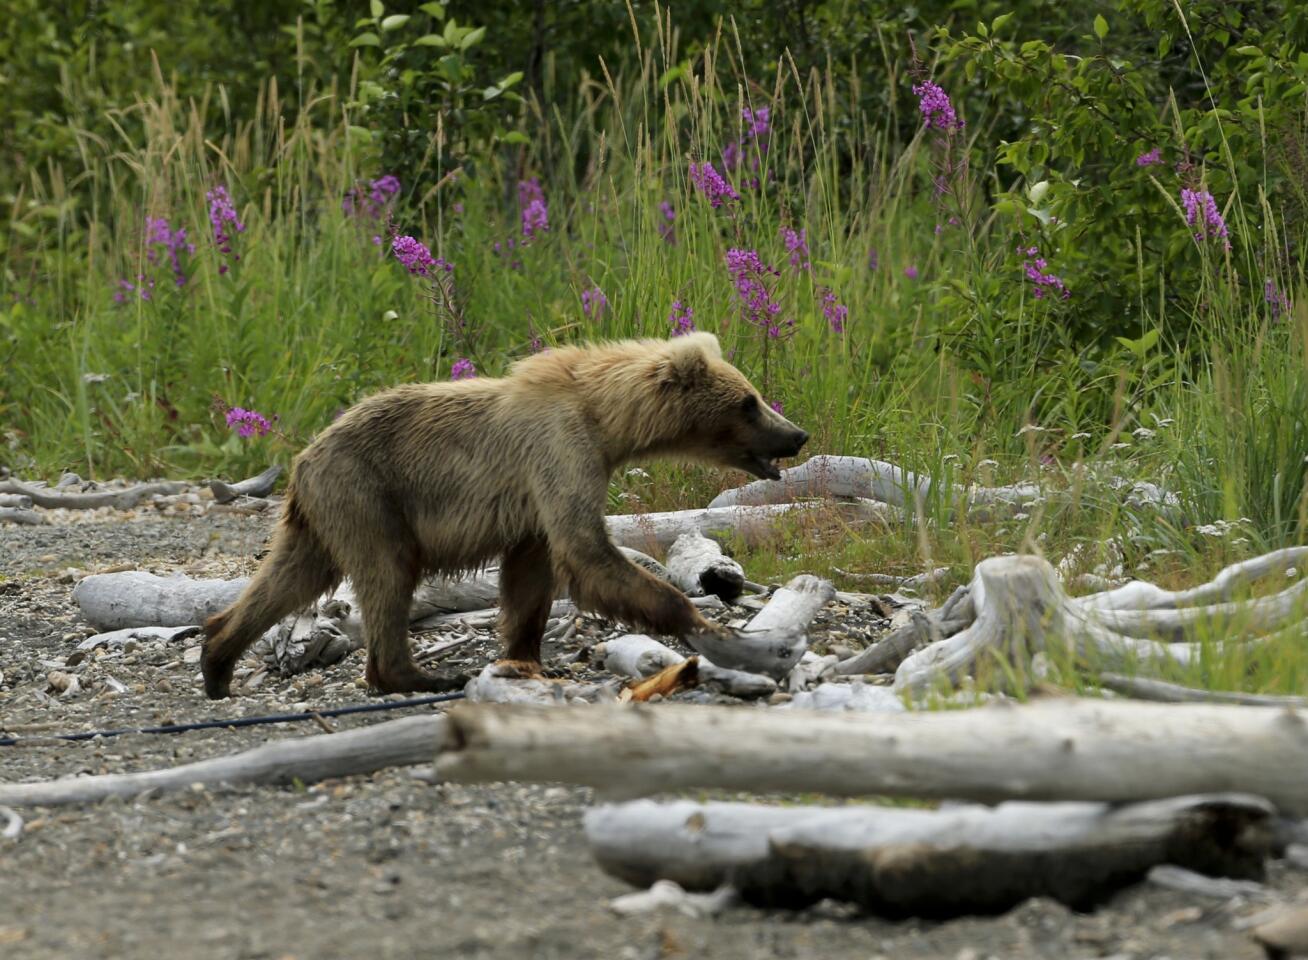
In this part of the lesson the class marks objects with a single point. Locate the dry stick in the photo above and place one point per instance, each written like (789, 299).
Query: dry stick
(258, 486)
(1139, 595)
(895, 861)
(306, 759)
(119, 499)
(1058, 750)
(1162, 692)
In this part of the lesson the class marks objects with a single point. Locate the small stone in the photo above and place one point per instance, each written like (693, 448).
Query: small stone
(191, 655)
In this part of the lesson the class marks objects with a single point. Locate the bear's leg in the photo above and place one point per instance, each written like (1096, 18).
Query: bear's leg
(526, 593)
(603, 580)
(385, 591)
(296, 572)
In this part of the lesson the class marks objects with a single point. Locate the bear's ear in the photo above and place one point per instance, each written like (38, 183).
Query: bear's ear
(686, 359)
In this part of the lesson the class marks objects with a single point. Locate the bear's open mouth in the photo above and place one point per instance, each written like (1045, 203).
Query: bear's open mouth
(763, 467)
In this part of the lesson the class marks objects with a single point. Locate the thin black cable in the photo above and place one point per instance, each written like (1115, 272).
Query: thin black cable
(245, 721)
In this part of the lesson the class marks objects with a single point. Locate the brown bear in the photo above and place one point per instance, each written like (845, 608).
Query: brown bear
(445, 478)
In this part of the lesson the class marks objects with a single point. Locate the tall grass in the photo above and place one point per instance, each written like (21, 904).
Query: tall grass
(315, 314)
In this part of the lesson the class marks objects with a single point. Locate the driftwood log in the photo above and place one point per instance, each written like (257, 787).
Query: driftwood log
(655, 532)
(638, 656)
(133, 598)
(501, 683)
(1059, 749)
(29, 518)
(697, 566)
(304, 759)
(897, 862)
(257, 486)
(118, 499)
(1142, 688)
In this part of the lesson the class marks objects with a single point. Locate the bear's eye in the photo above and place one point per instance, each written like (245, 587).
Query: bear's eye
(749, 404)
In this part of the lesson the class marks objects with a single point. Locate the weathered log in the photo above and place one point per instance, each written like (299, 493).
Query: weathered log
(15, 500)
(697, 566)
(1183, 879)
(116, 638)
(1139, 595)
(639, 656)
(831, 476)
(28, 518)
(753, 525)
(257, 486)
(1161, 692)
(934, 862)
(886, 654)
(118, 499)
(304, 759)
(1112, 751)
(314, 638)
(794, 606)
(133, 598)
(503, 683)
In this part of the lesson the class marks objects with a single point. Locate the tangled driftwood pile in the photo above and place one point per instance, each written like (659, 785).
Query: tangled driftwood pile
(1092, 793)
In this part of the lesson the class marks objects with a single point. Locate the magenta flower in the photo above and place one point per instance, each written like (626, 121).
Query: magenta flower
(1276, 300)
(758, 307)
(1046, 284)
(937, 111)
(710, 183)
(873, 259)
(143, 288)
(682, 319)
(1200, 204)
(535, 212)
(775, 405)
(757, 122)
(248, 423)
(373, 201)
(158, 233)
(668, 229)
(462, 369)
(417, 259)
(1154, 156)
(593, 302)
(797, 245)
(223, 219)
(910, 271)
(835, 312)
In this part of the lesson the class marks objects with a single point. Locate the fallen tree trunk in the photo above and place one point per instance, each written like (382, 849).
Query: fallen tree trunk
(638, 656)
(1139, 595)
(304, 759)
(29, 518)
(133, 598)
(697, 566)
(753, 525)
(896, 862)
(1160, 692)
(15, 500)
(118, 499)
(1055, 750)
(257, 486)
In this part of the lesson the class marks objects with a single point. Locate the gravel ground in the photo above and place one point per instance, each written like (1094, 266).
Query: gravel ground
(383, 866)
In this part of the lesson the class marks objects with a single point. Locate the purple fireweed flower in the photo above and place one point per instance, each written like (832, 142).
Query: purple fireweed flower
(910, 271)
(873, 259)
(1149, 159)
(1199, 204)
(937, 111)
(535, 212)
(710, 183)
(682, 319)
(757, 122)
(1036, 269)
(248, 423)
(1278, 303)
(797, 245)
(775, 405)
(835, 312)
(223, 219)
(758, 307)
(158, 232)
(462, 369)
(668, 228)
(372, 200)
(143, 288)
(413, 253)
(593, 302)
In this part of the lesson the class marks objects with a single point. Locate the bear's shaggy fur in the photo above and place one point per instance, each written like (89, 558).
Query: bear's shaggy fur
(447, 477)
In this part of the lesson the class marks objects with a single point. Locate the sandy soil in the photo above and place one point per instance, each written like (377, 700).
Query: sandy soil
(383, 866)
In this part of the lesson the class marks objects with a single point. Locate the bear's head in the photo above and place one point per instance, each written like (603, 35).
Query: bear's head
(713, 414)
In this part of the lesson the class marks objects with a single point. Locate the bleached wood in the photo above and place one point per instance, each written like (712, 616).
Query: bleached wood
(753, 525)
(28, 518)
(1138, 595)
(697, 566)
(256, 486)
(133, 598)
(936, 862)
(794, 606)
(1142, 688)
(394, 743)
(735, 683)
(15, 500)
(772, 653)
(1112, 751)
(500, 683)
(848, 697)
(119, 499)
(116, 638)
(635, 655)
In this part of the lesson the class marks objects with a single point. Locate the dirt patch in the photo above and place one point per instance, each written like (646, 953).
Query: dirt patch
(383, 866)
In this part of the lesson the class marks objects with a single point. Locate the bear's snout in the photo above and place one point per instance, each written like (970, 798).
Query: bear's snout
(799, 439)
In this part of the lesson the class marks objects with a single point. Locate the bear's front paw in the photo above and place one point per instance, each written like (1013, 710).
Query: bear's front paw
(519, 670)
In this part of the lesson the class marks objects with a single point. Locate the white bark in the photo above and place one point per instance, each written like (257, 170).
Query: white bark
(15, 500)
(847, 697)
(697, 566)
(1138, 595)
(1052, 750)
(736, 683)
(118, 499)
(116, 638)
(394, 743)
(754, 525)
(257, 486)
(635, 655)
(1160, 692)
(133, 598)
(936, 861)
(28, 518)
(794, 606)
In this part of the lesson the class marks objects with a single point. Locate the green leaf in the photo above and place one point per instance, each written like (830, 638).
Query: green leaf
(982, 30)
(362, 134)
(1142, 346)
(515, 136)
(997, 24)
(1101, 26)
(366, 40)
(490, 93)
(431, 40)
(672, 74)
(394, 21)
(512, 79)
(376, 7)
(437, 10)
(472, 38)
